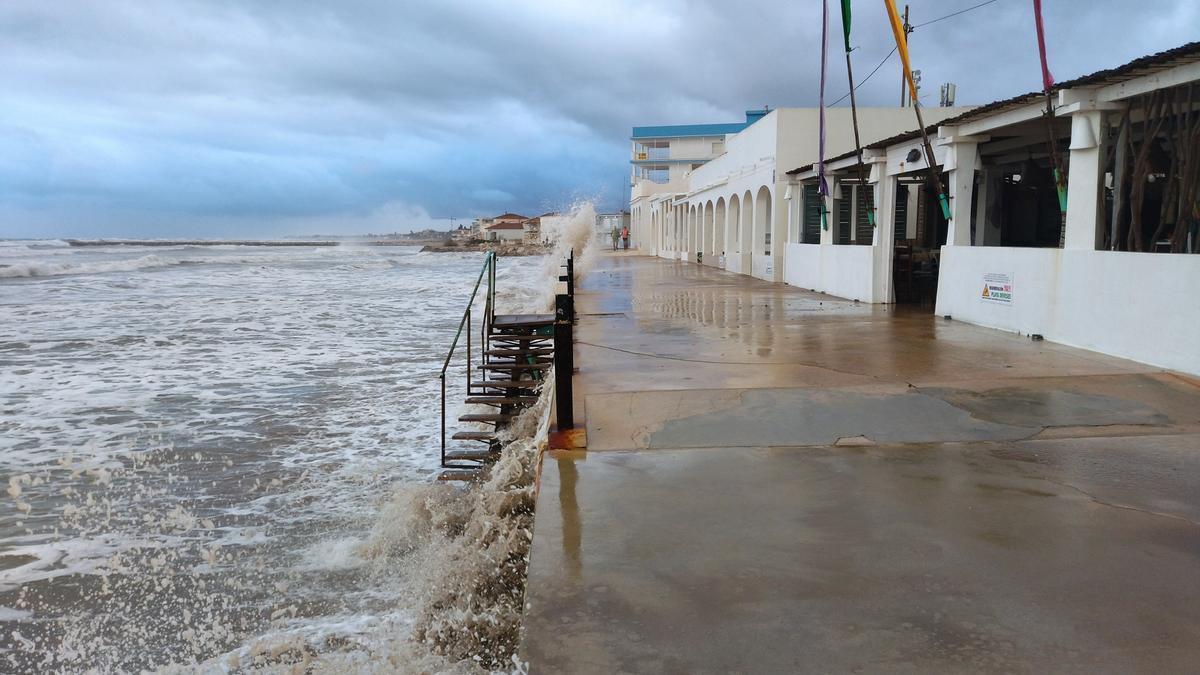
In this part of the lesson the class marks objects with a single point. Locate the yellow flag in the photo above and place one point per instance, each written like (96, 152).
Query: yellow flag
(901, 45)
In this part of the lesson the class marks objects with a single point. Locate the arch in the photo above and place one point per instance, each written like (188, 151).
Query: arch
(734, 215)
(693, 222)
(719, 227)
(746, 224)
(708, 247)
(762, 221)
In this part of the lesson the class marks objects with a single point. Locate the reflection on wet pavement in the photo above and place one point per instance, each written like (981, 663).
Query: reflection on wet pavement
(781, 481)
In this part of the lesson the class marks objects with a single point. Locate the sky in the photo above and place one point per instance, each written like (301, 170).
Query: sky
(234, 118)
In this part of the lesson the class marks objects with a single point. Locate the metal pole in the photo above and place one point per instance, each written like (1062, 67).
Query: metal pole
(442, 377)
(1119, 164)
(468, 349)
(564, 364)
(932, 162)
(862, 179)
(903, 88)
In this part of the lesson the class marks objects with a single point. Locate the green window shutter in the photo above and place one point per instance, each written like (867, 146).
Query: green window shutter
(864, 233)
(811, 233)
(842, 233)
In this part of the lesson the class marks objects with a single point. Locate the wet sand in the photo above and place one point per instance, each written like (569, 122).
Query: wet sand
(778, 480)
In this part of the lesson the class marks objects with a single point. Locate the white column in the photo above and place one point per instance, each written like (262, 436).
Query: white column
(962, 180)
(885, 231)
(1085, 175)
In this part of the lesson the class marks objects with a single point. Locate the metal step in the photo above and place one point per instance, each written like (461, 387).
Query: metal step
(515, 366)
(507, 384)
(502, 400)
(522, 320)
(485, 417)
(520, 352)
(488, 436)
(461, 473)
(497, 337)
(485, 455)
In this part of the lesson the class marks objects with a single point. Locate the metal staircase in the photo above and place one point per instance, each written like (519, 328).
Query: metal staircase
(515, 353)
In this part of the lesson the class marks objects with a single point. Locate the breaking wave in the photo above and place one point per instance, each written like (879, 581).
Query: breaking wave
(56, 269)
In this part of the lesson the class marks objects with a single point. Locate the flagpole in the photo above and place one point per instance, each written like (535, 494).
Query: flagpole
(854, 109)
(822, 184)
(1060, 178)
(930, 160)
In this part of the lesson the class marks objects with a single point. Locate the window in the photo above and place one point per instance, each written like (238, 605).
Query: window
(864, 202)
(842, 221)
(901, 220)
(811, 221)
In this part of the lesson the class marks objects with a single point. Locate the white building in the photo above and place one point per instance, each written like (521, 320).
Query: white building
(1116, 272)
(731, 211)
(507, 227)
(661, 159)
(607, 222)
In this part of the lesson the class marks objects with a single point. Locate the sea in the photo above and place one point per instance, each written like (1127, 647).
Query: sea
(199, 445)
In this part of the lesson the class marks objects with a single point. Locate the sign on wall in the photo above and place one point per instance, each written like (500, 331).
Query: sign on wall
(997, 288)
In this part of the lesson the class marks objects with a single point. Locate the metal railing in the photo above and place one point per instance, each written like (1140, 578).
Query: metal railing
(489, 312)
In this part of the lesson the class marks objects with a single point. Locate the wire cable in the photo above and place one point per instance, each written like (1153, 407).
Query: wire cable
(961, 11)
(864, 80)
(889, 54)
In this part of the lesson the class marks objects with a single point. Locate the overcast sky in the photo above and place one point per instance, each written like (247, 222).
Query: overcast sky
(268, 117)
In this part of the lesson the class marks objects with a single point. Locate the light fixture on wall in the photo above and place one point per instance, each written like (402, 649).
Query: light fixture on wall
(1082, 137)
(787, 194)
(837, 189)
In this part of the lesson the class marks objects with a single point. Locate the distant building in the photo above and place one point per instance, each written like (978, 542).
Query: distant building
(533, 230)
(507, 227)
(662, 157)
(607, 222)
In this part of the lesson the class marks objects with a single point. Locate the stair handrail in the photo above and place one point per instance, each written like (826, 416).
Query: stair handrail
(489, 268)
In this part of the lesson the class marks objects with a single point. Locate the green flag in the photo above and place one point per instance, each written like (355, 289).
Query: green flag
(846, 23)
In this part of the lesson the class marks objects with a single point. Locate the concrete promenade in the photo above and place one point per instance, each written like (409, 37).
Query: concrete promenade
(780, 481)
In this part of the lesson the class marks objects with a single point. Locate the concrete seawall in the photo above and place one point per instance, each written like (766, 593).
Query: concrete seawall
(777, 480)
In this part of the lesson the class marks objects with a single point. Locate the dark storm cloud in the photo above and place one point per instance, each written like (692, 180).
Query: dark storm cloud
(252, 116)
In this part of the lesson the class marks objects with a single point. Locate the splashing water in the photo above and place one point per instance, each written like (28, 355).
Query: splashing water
(221, 462)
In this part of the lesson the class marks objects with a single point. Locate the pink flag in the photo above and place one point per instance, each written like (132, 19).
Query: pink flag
(1047, 78)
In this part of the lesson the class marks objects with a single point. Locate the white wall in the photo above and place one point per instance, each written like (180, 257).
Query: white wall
(1140, 306)
(844, 271)
(507, 235)
(763, 267)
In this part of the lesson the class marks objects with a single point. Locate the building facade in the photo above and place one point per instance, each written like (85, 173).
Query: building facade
(732, 211)
(1107, 260)
(606, 223)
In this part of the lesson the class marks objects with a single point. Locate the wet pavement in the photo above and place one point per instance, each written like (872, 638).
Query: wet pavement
(777, 481)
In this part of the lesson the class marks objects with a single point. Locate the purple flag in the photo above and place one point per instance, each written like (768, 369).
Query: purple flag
(823, 188)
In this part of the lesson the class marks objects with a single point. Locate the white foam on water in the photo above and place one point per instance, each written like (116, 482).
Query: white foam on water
(52, 269)
(228, 456)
